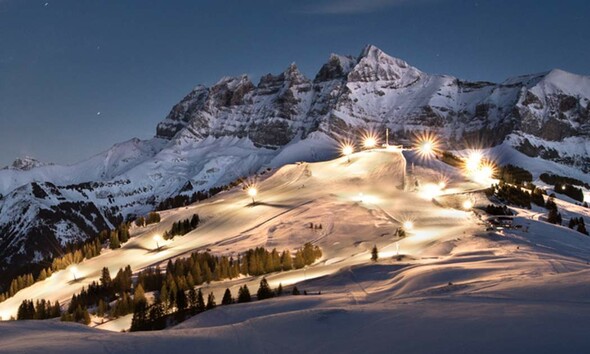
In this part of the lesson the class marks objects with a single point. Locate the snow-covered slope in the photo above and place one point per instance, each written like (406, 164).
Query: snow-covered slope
(456, 287)
(234, 128)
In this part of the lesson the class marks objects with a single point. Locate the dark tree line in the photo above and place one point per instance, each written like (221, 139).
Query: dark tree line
(151, 218)
(498, 210)
(158, 315)
(183, 227)
(578, 225)
(554, 216)
(514, 175)
(39, 310)
(569, 190)
(555, 179)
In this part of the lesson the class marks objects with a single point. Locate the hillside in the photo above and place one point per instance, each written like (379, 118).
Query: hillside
(455, 286)
(235, 128)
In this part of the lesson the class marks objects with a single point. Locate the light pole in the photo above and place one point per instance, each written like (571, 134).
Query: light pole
(347, 150)
(252, 192)
(157, 238)
(74, 270)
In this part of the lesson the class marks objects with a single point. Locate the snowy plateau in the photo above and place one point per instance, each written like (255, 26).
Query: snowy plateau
(450, 285)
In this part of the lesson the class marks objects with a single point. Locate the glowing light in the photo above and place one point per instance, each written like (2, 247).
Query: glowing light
(252, 192)
(347, 150)
(563, 187)
(467, 205)
(442, 185)
(370, 142)
(74, 272)
(408, 225)
(473, 161)
(426, 145)
(431, 190)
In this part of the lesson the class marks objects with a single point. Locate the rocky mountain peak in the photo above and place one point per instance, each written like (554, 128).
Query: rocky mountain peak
(26, 163)
(337, 67)
(374, 65)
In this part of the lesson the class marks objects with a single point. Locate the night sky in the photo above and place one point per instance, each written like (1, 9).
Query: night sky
(77, 76)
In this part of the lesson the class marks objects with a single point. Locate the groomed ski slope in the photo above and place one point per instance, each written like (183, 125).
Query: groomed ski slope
(457, 288)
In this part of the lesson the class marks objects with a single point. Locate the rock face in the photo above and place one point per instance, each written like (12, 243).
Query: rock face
(234, 128)
(374, 91)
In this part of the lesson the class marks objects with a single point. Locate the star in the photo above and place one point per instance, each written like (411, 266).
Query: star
(97, 113)
(46, 4)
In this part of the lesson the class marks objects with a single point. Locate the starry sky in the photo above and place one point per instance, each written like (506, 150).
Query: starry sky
(77, 76)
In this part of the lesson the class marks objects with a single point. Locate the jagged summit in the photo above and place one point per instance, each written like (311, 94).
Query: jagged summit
(26, 163)
(374, 65)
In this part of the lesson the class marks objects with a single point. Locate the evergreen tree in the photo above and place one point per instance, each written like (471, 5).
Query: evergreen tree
(227, 298)
(264, 290)
(192, 300)
(139, 295)
(374, 254)
(181, 300)
(554, 216)
(211, 302)
(105, 278)
(582, 227)
(140, 317)
(114, 241)
(200, 301)
(101, 309)
(295, 291)
(244, 294)
(279, 290)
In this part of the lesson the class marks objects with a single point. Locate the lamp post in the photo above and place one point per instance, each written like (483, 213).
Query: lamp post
(347, 150)
(74, 270)
(157, 238)
(252, 192)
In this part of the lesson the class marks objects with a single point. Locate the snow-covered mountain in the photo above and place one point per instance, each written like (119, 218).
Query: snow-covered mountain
(234, 128)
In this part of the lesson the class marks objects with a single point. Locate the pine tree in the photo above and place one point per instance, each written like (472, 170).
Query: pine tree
(554, 216)
(582, 227)
(295, 291)
(200, 301)
(227, 298)
(140, 317)
(105, 278)
(101, 309)
(244, 294)
(374, 254)
(192, 300)
(181, 300)
(264, 290)
(279, 290)
(139, 295)
(211, 302)
(114, 241)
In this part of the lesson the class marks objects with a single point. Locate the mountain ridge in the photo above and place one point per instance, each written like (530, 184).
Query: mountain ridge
(235, 128)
